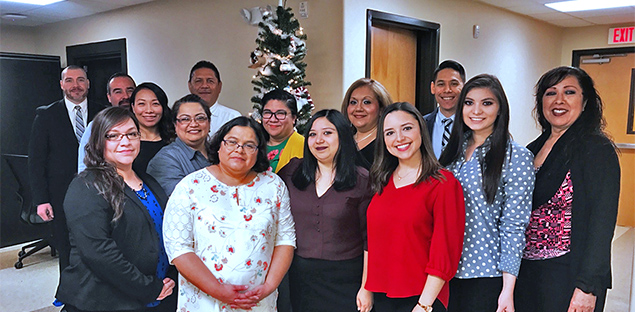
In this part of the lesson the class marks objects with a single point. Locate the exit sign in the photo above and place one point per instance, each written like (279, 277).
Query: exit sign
(621, 35)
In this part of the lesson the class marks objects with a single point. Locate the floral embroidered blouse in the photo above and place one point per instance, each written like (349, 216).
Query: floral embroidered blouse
(233, 229)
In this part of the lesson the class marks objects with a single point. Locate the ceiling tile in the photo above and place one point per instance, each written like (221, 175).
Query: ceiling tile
(614, 19)
(553, 16)
(505, 3)
(605, 12)
(530, 9)
(572, 22)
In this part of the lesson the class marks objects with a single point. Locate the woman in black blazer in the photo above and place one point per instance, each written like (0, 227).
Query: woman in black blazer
(114, 217)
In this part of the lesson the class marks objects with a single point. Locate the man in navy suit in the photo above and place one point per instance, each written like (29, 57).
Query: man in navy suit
(447, 83)
(53, 145)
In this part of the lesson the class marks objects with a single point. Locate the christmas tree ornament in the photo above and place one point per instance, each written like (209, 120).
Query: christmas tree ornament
(279, 59)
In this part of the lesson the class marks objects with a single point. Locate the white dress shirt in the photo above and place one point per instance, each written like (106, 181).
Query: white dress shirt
(437, 133)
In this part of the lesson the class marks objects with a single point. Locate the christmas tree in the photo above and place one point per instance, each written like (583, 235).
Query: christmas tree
(279, 56)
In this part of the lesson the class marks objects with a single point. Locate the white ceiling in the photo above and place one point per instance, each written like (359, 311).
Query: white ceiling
(69, 9)
(536, 9)
(44, 14)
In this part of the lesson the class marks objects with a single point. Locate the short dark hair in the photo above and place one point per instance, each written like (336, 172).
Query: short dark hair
(386, 163)
(492, 164)
(345, 158)
(165, 125)
(280, 95)
(115, 75)
(262, 162)
(451, 64)
(204, 64)
(72, 67)
(190, 98)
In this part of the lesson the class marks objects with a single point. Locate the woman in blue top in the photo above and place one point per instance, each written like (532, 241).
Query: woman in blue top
(497, 177)
(114, 217)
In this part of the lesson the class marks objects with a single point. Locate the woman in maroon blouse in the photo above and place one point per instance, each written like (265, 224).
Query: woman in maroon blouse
(415, 221)
(329, 196)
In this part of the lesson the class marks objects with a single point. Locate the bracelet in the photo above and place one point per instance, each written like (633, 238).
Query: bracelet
(426, 308)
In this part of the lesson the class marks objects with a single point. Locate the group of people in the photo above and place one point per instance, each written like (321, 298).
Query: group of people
(375, 207)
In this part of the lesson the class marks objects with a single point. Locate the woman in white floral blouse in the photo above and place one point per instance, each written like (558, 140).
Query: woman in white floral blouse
(228, 228)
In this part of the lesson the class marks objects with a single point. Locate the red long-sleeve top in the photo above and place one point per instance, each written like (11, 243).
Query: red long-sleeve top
(415, 231)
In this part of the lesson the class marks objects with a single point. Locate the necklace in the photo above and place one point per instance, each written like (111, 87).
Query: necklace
(367, 136)
(142, 193)
(407, 174)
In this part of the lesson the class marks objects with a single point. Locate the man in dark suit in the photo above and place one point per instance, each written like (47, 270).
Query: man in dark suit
(447, 82)
(55, 134)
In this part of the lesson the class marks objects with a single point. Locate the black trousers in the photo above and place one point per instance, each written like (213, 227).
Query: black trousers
(546, 285)
(386, 304)
(475, 294)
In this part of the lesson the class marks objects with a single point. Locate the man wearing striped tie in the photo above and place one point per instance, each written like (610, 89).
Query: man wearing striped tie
(55, 134)
(447, 83)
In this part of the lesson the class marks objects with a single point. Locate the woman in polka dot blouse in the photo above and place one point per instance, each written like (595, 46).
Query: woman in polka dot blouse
(497, 177)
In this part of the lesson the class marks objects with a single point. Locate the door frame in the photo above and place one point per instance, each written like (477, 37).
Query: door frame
(97, 50)
(575, 62)
(428, 37)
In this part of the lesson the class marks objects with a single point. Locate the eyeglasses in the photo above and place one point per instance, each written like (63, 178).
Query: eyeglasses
(115, 137)
(186, 120)
(232, 145)
(280, 114)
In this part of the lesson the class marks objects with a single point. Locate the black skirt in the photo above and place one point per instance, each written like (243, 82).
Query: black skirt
(324, 285)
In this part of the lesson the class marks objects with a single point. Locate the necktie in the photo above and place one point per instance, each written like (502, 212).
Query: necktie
(79, 123)
(447, 129)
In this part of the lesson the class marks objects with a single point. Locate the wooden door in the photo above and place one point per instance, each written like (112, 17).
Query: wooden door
(394, 61)
(613, 82)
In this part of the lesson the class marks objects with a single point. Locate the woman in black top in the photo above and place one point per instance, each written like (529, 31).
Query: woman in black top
(567, 260)
(149, 103)
(114, 218)
(362, 104)
(329, 196)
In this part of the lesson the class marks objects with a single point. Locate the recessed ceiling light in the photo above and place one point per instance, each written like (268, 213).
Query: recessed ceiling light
(13, 16)
(36, 2)
(586, 5)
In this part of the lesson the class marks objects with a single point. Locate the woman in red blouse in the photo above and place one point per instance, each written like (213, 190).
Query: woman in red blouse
(415, 221)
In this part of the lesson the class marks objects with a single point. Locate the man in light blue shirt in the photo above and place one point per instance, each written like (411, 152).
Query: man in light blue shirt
(447, 83)
(118, 90)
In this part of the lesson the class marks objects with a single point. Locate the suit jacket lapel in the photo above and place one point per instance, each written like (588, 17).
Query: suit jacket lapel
(62, 119)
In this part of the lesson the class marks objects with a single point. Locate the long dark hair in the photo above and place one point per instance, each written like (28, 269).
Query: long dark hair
(492, 165)
(386, 163)
(344, 160)
(591, 117)
(262, 162)
(107, 181)
(165, 125)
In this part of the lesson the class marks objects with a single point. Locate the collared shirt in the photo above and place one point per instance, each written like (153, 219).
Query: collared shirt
(70, 107)
(81, 151)
(220, 115)
(494, 233)
(437, 133)
(173, 162)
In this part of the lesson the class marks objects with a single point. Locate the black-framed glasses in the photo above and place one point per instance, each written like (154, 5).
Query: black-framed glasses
(233, 145)
(115, 137)
(280, 114)
(186, 120)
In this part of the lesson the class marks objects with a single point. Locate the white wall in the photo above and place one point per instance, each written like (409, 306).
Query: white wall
(18, 39)
(515, 48)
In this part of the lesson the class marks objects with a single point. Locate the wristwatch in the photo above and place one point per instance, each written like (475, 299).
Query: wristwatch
(426, 308)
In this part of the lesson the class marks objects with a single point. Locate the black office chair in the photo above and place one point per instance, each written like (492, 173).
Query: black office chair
(28, 213)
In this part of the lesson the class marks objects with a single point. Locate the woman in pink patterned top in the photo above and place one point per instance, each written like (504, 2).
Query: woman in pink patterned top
(567, 260)
(228, 228)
